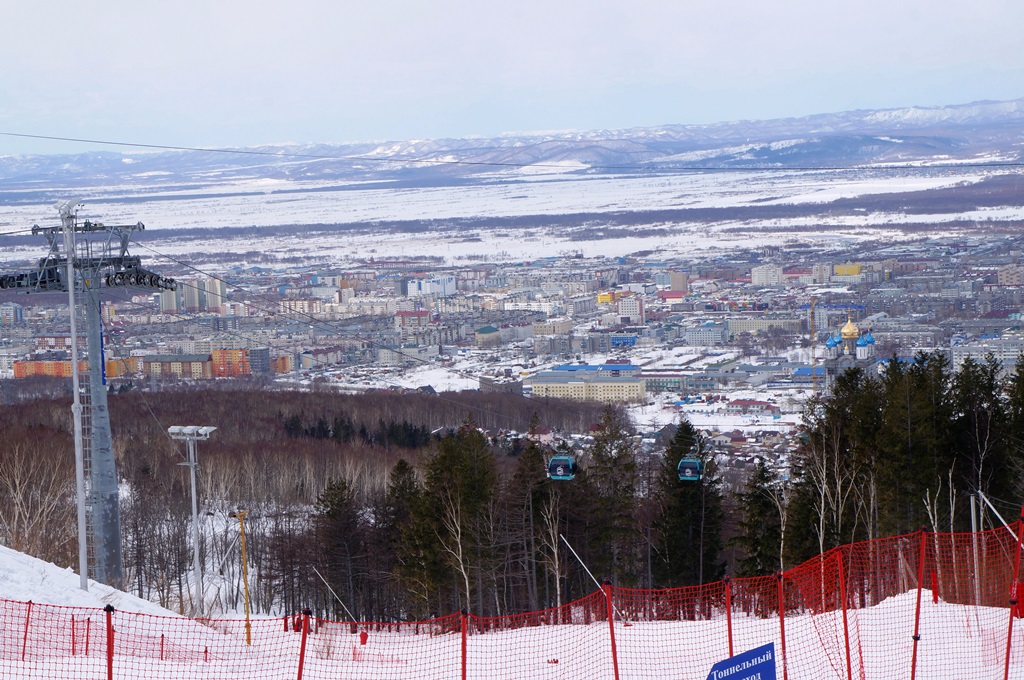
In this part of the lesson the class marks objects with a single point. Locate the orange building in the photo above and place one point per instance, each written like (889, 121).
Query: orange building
(282, 364)
(231, 363)
(62, 369)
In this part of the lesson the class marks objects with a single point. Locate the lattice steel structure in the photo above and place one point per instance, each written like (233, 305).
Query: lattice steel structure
(84, 257)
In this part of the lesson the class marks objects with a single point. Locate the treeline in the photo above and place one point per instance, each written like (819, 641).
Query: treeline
(906, 450)
(398, 506)
(473, 529)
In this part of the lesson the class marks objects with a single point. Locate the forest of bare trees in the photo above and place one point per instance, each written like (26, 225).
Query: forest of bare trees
(397, 506)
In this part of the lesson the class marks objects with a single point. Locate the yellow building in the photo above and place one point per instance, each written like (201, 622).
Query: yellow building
(848, 269)
(585, 387)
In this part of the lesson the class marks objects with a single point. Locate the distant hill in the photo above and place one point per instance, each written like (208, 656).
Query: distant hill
(977, 132)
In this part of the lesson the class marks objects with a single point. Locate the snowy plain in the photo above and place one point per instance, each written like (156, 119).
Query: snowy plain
(253, 204)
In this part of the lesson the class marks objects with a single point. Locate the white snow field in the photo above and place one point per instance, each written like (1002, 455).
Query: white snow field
(255, 203)
(70, 640)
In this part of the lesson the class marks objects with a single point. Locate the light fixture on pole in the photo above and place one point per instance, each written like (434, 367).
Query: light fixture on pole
(190, 434)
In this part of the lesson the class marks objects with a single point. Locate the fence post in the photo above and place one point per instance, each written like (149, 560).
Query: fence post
(607, 588)
(465, 634)
(917, 614)
(842, 603)
(24, 639)
(728, 610)
(1014, 603)
(782, 624)
(302, 645)
(109, 609)
(72, 635)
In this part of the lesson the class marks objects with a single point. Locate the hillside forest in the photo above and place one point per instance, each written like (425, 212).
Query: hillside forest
(397, 506)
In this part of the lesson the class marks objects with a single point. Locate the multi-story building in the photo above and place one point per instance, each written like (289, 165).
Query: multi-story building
(1006, 349)
(552, 327)
(170, 300)
(1010, 275)
(707, 334)
(766, 275)
(440, 286)
(762, 324)
(588, 386)
(232, 363)
(115, 368)
(11, 313)
(193, 293)
(411, 321)
(215, 295)
(307, 306)
(631, 310)
(679, 281)
(189, 366)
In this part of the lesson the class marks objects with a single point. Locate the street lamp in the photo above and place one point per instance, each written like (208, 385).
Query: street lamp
(191, 434)
(240, 515)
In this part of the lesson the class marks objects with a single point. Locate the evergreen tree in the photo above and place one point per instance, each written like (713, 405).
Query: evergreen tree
(980, 421)
(407, 520)
(917, 436)
(689, 521)
(525, 495)
(1015, 427)
(459, 489)
(613, 476)
(762, 523)
(824, 481)
(340, 537)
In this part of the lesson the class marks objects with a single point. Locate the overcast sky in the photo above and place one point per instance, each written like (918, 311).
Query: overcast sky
(231, 73)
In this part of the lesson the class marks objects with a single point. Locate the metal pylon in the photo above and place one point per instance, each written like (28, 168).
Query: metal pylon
(84, 257)
(85, 400)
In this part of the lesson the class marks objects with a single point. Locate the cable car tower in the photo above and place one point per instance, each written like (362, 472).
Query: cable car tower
(83, 258)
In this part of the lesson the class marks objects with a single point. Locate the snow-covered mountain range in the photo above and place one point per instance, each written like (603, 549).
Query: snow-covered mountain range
(977, 132)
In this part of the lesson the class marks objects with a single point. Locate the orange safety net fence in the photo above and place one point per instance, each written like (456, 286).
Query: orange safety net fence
(923, 605)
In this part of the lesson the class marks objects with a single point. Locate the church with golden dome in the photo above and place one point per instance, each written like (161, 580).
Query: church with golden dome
(848, 348)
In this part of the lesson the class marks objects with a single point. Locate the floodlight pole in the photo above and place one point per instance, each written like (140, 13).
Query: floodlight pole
(191, 434)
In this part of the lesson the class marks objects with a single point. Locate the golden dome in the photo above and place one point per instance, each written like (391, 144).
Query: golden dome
(849, 331)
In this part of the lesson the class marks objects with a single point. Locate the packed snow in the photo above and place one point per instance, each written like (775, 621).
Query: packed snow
(955, 641)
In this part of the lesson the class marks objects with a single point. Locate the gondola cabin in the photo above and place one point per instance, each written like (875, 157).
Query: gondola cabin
(562, 467)
(689, 470)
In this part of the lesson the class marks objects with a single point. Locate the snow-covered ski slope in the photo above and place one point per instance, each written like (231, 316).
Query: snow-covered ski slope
(934, 603)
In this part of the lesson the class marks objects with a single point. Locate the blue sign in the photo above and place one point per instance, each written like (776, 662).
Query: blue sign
(757, 664)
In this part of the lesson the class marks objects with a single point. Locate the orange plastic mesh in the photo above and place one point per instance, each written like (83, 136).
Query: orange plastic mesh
(924, 605)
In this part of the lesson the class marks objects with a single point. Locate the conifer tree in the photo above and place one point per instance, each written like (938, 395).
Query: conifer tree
(917, 436)
(340, 540)
(1015, 427)
(614, 475)
(459, 490)
(689, 520)
(980, 421)
(762, 522)
(408, 522)
(525, 498)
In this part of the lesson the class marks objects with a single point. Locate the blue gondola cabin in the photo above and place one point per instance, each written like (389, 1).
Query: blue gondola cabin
(562, 468)
(689, 470)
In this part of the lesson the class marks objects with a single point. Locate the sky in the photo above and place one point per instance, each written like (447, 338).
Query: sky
(233, 73)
